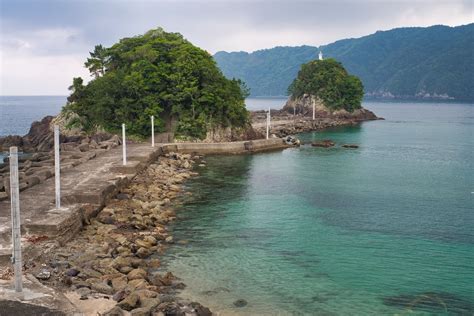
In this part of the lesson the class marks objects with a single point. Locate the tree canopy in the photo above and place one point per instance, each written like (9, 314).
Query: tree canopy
(160, 74)
(328, 80)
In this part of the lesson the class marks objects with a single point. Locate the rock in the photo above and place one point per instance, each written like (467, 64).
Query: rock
(136, 274)
(138, 284)
(143, 253)
(115, 311)
(325, 143)
(83, 291)
(160, 280)
(83, 147)
(147, 305)
(120, 295)
(350, 146)
(119, 283)
(130, 302)
(102, 288)
(200, 310)
(169, 239)
(153, 263)
(43, 275)
(72, 272)
(240, 303)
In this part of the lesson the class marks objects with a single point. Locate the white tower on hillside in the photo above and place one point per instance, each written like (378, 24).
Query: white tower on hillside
(320, 55)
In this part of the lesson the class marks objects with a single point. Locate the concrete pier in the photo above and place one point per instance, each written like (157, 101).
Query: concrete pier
(87, 187)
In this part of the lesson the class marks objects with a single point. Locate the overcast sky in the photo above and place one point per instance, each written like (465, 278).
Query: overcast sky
(43, 44)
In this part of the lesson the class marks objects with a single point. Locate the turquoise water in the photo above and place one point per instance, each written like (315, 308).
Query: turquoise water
(381, 230)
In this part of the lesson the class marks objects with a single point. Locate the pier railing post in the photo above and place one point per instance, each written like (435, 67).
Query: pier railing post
(124, 146)
(268, 123)
(152, 131)
(57, 167)
(15, 213)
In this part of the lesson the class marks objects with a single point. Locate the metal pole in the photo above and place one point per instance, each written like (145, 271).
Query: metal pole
(268, 123)
(313, 112)
(269, 116)
(152, 131)
(15, 208)
(57, 167)
(124, 145)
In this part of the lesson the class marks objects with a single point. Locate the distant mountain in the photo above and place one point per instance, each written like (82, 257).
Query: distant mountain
(415, 62)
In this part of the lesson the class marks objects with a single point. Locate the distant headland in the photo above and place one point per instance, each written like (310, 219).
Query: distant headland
(432, 63)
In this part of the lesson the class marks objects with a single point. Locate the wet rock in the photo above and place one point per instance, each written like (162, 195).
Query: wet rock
(350, 146)
(240, 303)
(153, 263)
(324, 143)
(160, 280)
(200, 310)
(130, 302)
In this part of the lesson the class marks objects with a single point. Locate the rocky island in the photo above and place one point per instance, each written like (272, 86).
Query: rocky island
(323, 95)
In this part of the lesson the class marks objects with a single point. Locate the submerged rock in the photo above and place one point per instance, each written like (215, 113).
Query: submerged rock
(432, 302)
(240, 303)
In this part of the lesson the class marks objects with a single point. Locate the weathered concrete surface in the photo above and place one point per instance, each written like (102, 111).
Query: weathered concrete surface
(84, 190)
(227, 148)
(36, 299)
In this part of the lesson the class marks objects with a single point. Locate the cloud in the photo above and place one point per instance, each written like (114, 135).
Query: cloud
(45, 43)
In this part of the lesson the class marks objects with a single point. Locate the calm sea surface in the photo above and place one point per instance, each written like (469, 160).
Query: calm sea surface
(386, 229)
(381, 230)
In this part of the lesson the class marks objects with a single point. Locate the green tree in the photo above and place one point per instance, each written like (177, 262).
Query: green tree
(159, 74)
(328, 80)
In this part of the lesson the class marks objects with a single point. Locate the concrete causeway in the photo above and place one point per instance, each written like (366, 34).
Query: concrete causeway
(87, 187)
(84, 191)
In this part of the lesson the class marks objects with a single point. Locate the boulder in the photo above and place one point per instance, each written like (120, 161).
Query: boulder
(324, 143)
(136, 274)
(130, 302)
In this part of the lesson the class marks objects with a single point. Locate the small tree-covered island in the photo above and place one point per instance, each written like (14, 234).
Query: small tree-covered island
(163, 75)
(160, 74)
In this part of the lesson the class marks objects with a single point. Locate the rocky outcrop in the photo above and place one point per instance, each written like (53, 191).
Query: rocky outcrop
(303, 106)
(297, 117)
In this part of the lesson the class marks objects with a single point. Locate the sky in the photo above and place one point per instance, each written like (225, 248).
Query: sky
(43, 44)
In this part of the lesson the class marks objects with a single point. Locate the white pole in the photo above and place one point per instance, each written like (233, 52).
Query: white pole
(269, 117)
(15, 208)
(152, 131)
(57, 167)
(268, 123)
(124, 145)
(313, 112)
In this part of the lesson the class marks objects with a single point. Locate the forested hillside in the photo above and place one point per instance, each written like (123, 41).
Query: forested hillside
(433, 62)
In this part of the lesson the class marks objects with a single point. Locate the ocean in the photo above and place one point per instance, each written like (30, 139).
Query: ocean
(385, 229)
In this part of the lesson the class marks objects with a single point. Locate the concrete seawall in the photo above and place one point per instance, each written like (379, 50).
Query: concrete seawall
(241, 147)
(88, 187)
